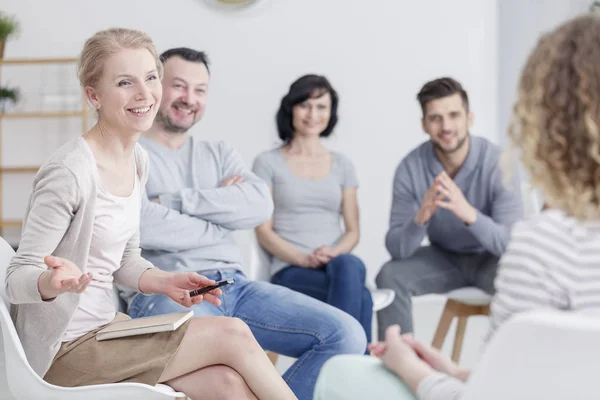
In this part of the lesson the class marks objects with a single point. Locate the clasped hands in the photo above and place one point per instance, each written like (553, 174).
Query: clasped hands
(412, 360)
(318, 258)
(446, 194)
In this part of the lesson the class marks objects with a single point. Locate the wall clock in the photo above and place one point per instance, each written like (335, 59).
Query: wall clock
(233, 5)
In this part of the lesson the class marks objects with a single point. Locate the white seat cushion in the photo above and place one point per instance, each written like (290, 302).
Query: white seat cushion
(470, 295)
(382, 298)
(164, 388)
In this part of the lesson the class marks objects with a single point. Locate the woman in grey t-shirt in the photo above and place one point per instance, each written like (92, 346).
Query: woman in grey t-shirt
(314, 191)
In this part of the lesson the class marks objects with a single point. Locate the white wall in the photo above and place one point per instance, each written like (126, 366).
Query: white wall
(377, 53)
(520, 23)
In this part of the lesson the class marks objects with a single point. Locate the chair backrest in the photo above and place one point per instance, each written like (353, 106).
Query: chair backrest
(20, 376)
(25, 384)
(6, 254)
(256, 260)
(546, 355)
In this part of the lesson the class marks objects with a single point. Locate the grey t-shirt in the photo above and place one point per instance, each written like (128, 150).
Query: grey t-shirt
(307, 212)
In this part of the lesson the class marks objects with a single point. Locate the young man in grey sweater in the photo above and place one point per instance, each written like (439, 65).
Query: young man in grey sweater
(207, 192)
(450, 189)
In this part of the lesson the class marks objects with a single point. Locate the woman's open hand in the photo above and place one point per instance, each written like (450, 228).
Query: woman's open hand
(63, 276)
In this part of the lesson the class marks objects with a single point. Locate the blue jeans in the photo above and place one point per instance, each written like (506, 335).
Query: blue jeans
(281, 320)
(341, 283)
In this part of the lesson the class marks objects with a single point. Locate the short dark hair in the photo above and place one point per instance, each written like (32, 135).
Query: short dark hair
(187, 54)
(441, 87)
(305, 87)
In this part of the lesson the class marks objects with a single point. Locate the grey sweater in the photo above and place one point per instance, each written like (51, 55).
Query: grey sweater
(479, 178)
(60, 221)
(190, 230)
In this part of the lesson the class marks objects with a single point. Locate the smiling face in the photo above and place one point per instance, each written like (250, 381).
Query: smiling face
(447, 122)
(128, 94)
(185, 85)
(311, 117)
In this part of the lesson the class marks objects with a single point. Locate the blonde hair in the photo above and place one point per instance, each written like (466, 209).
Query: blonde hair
(106, 43)
(556, 117)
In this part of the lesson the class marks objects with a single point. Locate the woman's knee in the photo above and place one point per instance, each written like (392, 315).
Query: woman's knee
(237, 330)
(333, 379)
(214, 382)
(230, 383)
(226, 330)
(228, 336)
(348, 264)
(359, 377)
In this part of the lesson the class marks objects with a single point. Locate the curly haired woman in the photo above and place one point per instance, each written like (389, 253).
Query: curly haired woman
(552, 260)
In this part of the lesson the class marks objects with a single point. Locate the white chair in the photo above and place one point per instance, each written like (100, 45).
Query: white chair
(25, 384)
(382, 298)
(546, 355)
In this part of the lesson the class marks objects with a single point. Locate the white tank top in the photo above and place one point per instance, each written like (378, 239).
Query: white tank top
(116, 221)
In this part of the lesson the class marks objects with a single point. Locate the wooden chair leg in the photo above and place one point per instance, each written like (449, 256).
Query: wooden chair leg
(273, 357)
(443, 326)
(458, 339)
(462, 311)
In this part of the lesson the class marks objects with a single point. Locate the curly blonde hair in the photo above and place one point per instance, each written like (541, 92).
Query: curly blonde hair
(556, 117)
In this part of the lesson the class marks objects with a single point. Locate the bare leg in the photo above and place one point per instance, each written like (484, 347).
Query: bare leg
(228, 341)
(213, 383)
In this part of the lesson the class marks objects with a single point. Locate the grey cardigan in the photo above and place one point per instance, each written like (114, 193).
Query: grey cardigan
(60, 221)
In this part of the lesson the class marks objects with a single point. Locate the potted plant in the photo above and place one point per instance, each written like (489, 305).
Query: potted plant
(8, 95)
(8, 27)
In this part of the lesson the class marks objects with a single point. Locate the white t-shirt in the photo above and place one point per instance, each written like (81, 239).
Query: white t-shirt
(116, 221)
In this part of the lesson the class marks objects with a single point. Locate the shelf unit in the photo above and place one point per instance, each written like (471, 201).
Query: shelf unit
(82, 113)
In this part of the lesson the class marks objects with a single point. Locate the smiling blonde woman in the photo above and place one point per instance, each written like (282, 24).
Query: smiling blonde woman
(81, 233)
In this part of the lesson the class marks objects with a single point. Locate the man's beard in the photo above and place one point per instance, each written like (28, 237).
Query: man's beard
(165, 121)
(460, 144)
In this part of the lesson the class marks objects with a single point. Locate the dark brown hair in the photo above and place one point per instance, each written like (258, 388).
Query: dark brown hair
(306, 87)
(441, 87)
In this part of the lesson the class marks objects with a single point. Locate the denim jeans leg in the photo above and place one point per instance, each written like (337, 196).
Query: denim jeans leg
(366, 316)
(308, 281)
(154, 304)
(347, 274)
(295, 325)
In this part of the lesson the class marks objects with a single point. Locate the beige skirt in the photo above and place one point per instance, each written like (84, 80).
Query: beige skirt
(141, 359)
